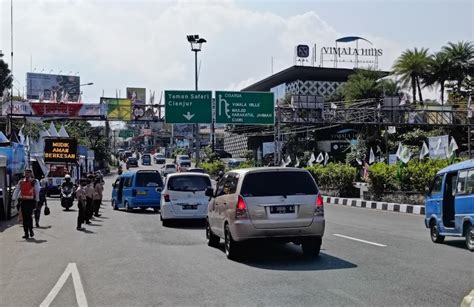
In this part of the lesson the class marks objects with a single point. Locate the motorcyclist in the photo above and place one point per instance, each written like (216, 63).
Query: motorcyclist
(67, 182)
(220, 175)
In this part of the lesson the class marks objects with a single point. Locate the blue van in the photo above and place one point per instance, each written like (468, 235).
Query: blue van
(137, 189)
(449, 205)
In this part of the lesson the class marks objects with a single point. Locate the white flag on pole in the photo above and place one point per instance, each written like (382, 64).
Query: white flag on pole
(424, 151)
(399, 150)
(333, 106)
(320, 158)
(326, 158)
(297, 162)
(371, 156)
(405, 155)
(469, 107)
(438, 146)
(312, 159)
(288, 160)
(453, 146)
(21, 135)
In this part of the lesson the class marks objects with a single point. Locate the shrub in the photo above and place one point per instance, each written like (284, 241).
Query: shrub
(213, 168)
(382, 177)
(335, 176)
(417, 175)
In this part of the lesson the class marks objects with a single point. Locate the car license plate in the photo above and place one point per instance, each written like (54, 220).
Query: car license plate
(141, 193)
(282, 209)
(189, 207)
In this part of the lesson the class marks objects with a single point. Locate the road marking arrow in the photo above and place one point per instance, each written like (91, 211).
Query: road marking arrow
(188, 116)
(71, 269)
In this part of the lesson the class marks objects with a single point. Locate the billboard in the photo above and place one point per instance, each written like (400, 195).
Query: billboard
(60, 150)
(45, 85)
(118, 108)
(71, 110)
(137, 95)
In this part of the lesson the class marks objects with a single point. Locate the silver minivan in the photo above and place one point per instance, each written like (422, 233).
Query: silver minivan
(278, 203)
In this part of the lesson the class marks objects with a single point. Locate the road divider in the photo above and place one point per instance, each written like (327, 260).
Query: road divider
(377, 205)
(360, 240)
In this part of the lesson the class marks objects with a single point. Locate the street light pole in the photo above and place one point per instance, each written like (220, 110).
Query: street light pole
(196, 44)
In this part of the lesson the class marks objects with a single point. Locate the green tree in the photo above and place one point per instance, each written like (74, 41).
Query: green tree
(439, 71)
(5, 77)
(411, 67)
(365, 84)
(461, 55)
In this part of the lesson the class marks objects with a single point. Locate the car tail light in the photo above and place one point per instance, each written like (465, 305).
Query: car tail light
(134, 192)
(319, 210)
(241, 209)
(166, 197)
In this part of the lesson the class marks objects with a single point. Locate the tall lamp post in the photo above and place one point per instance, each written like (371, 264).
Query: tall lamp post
(196, 44)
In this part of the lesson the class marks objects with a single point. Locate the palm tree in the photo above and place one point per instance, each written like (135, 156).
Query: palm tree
(5, 77)
(368, 83)
(461, 54)
(412, 66)
(439, 71)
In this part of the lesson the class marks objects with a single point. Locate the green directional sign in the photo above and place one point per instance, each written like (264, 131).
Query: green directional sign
(245, 108)
(188, 107)
(126, 133)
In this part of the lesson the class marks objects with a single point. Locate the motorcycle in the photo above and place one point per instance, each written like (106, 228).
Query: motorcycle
(67, 197)
(120, 170)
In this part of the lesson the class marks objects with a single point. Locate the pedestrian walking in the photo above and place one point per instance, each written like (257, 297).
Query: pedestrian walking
(81, 203)
(27, 193)
(42, 200)
(98, 190)
(89, 198)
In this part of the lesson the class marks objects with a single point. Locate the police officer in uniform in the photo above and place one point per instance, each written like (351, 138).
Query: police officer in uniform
(90, 191)
(81, 203)
(27, 192)
(98, 189)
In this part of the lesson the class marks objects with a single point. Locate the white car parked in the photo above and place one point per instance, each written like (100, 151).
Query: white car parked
(184, 197)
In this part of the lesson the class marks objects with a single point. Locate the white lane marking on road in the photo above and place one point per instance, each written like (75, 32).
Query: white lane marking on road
(71, 269)
(360, 240)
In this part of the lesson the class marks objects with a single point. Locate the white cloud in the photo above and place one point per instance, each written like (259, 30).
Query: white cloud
(118, 44)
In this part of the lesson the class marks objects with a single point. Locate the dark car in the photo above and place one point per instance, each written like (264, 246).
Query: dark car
(223, 154)
(132, 162)
(196, 170)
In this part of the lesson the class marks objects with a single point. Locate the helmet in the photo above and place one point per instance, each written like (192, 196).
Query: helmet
(67, 177)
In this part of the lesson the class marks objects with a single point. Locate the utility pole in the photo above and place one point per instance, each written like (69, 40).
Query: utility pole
(196, 126)
(9, 126)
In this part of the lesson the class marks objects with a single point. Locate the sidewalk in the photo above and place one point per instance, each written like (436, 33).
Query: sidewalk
(376, 205)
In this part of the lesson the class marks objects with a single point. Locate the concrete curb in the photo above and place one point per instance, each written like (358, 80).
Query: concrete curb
(377, 205)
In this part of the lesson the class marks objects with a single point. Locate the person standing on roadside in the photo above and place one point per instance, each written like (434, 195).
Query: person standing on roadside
(81, 203)
(89, 198)
(98, 189)
(27, 193)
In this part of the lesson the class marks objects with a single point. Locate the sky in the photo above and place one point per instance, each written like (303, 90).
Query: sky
(143, 43)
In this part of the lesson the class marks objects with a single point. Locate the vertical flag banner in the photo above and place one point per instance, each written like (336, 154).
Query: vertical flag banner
(424, 151)
(320, 158)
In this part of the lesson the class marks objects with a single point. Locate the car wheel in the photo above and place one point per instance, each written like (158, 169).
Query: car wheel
(165, 223)
(211, 238)
(434, 234)
(156, 210)
(114, 205)
(231, 247)
(470, 237)
(311, 247)
(127, 208)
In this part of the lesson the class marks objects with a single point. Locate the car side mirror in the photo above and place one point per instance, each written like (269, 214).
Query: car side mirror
(210, 192)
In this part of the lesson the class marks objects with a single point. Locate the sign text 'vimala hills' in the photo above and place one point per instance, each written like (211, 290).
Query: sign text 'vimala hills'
(60, 150)
(186, 107)
(245, 108)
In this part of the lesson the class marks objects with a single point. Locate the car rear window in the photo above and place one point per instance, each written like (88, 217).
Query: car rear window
(148, 179)
(185, 164)
(189, 183)
(278, 183)
(170, 166)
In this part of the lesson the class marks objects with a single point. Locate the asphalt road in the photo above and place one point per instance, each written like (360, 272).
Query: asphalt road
(129, 259)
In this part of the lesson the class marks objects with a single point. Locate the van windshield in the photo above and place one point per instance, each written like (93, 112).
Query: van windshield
(278, 183)
(148, 179)
(189, 183)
